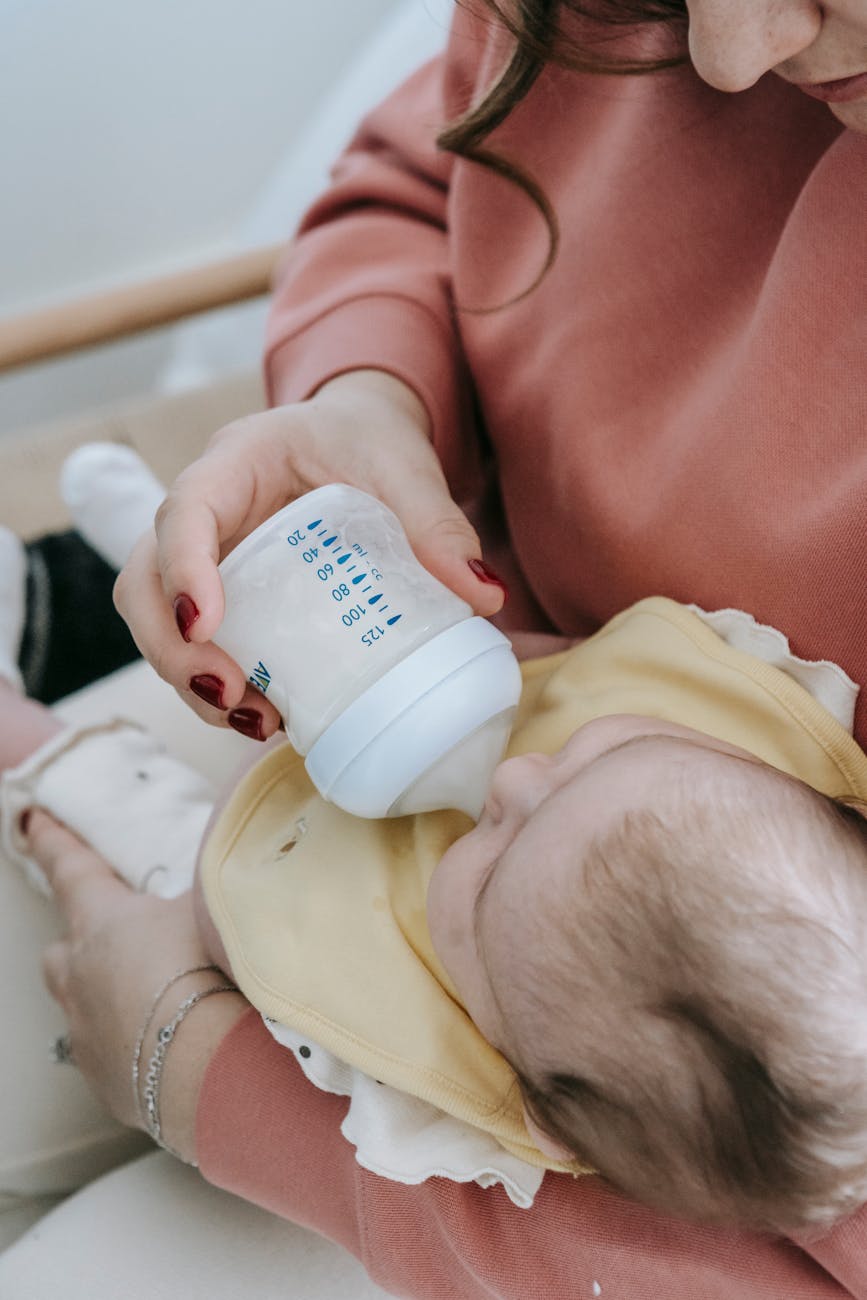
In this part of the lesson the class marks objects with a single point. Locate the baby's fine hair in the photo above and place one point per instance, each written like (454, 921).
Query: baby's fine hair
(711, 988)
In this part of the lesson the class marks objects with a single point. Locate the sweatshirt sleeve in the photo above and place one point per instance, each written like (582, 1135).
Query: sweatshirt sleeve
(366, 283)
(267, 1134)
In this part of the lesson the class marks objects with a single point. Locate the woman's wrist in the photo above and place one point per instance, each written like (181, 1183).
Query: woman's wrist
(173, 1072)
(377, 389)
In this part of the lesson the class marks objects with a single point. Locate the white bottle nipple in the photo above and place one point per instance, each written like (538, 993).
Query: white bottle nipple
(461, 777)
(389, 752)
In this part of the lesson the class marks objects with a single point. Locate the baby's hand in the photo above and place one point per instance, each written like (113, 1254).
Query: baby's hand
(365, 428)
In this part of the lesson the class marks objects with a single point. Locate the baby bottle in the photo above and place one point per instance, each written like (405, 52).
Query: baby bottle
(399, 698)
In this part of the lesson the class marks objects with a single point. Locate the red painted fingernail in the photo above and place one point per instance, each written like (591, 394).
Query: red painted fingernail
(186, 614)
(248, 722)
(209, 688)
(485, 573)
(24, 821)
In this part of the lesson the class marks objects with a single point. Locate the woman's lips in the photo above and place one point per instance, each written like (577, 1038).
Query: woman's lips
(836, 92)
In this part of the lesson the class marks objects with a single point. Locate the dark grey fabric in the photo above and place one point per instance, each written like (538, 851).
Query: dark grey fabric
(72, 633)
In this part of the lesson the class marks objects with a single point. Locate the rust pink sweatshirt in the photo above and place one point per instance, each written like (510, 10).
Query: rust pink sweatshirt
(679, 408)
(269, 1135)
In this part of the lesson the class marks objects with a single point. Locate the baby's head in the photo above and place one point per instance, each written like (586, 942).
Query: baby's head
(668, 941)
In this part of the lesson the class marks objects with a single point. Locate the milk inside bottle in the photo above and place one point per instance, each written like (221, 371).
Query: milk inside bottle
(400, 699)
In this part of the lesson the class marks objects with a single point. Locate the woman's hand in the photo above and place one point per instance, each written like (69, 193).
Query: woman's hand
(365, 428)
(120, 948)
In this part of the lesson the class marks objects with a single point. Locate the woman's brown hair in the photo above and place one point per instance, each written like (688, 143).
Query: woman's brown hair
(538, 30)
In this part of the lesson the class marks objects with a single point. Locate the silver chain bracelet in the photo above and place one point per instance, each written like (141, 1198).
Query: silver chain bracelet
(154, 1072)
(158, 997)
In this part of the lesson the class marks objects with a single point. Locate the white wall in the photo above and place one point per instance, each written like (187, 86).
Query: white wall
(133, 138)
(133, 134)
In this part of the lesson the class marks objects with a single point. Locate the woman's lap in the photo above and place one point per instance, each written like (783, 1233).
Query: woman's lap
(53, 1135)
(155, 1228)
(155, 1222)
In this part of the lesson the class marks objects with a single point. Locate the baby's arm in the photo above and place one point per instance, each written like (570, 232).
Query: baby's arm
(24, 726)
(111, 783)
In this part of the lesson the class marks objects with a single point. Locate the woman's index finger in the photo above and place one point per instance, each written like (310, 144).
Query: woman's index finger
(208, 505)
(188, 552)
(71, 867)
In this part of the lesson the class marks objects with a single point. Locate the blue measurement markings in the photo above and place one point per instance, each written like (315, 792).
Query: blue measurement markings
(260, 676)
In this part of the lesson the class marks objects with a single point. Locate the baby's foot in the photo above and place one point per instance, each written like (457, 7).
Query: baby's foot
(112, 497)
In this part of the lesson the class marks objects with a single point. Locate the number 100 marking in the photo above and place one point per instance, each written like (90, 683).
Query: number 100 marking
(353, 615)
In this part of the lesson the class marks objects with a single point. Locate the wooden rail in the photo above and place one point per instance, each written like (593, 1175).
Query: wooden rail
(116, 313)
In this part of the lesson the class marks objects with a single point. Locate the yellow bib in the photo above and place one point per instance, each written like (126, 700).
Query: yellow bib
(323, 915)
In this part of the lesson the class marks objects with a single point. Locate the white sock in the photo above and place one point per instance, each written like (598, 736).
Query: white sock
(13, 604)
(112, 497)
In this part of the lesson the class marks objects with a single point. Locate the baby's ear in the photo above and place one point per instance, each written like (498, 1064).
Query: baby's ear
(547, 1145)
